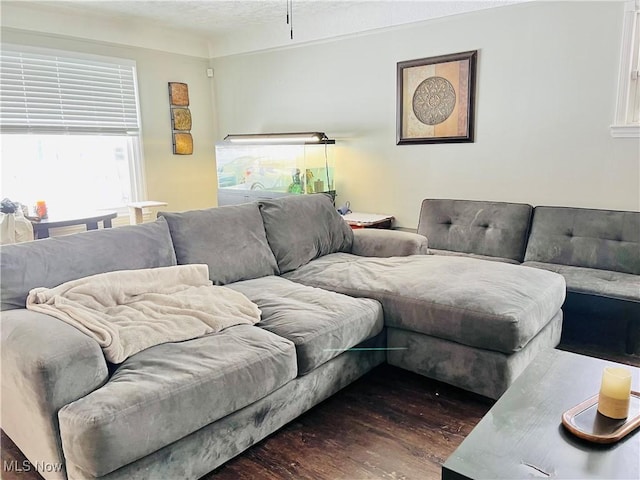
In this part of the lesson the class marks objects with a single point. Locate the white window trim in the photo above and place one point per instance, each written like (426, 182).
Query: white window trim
(621, 127)
(137, 168)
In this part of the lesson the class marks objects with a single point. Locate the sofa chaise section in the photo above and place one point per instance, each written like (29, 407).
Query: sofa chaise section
(480, 305)
(489, 311)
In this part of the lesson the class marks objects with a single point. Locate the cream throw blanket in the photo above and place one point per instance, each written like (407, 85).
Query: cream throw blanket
(130, 310)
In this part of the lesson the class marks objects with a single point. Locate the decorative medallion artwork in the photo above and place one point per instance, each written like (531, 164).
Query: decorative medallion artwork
(436, 99)
(180, 118)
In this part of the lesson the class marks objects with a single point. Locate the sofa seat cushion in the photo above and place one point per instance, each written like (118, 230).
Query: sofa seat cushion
(490, 305)
(231, 240)
(171, 390)
(592, 281)
(321, 324)
(433, 251)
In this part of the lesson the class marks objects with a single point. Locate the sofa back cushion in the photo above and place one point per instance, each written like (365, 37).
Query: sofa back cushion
(583, 237)
(52, 261)
(303, 227)
(494, 229)
(231, 240)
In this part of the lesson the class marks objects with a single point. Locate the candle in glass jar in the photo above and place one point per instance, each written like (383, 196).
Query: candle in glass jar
(615, 393)
(41, 209)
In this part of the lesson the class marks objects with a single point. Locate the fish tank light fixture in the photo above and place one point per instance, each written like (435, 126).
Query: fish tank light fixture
(295, 138)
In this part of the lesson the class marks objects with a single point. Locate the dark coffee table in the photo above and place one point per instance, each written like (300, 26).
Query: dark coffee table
(522, 435)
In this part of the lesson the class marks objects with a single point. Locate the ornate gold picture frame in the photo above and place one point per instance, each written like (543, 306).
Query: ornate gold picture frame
(435, 99)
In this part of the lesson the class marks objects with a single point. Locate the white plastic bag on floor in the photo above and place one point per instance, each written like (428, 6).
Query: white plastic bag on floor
(14, 228)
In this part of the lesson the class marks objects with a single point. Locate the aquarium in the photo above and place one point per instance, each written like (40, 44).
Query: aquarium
(248, 172)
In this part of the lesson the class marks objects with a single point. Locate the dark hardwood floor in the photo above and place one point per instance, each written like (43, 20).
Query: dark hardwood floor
(390, 424)
(592, 350)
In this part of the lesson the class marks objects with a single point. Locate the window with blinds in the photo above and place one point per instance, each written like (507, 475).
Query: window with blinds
(70, 129)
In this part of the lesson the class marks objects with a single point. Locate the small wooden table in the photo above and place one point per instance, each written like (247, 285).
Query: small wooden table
(136, 210)
(522, 436)
(41, 228)
(368, 220)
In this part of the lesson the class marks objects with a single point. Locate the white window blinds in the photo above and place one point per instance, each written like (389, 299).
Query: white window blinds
(57, 93)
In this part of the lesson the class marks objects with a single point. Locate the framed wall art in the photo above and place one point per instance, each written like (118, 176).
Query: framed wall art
(435, 99)
(180, 119)
(178, 94)
(182, 143)
(182, 140)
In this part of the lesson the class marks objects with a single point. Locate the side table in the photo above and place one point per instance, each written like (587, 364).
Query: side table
(368, 220)
(136, 210)
(41, 228)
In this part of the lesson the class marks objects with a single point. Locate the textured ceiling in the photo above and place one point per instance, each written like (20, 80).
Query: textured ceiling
(218, 17)
(227, 27)
(204, 17)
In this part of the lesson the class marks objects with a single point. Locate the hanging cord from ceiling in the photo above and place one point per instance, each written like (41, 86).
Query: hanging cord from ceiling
(290, 16)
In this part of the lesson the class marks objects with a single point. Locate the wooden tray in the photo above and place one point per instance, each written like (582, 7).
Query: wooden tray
(585, 422)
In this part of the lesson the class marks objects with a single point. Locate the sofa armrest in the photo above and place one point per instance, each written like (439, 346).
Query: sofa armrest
(372, 242)
(46, 364)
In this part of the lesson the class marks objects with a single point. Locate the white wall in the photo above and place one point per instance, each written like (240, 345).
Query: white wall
(184, 181)
(547, 76)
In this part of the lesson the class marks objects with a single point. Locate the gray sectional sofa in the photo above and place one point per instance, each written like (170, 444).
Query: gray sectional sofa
(596, 251)
(331, 300)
